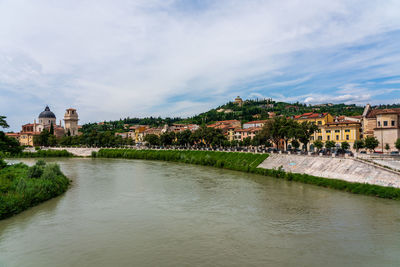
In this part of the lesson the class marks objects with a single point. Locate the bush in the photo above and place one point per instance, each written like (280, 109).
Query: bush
(18, 191)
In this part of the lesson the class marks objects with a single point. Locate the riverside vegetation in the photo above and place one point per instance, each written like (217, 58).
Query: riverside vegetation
(248, 162)
(22, 187)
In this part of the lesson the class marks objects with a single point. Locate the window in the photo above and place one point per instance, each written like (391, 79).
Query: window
(393, 123)
(312, 138)
(379, 123)
(337, 137)
(385, 123)
(337, 131)
(319, 122)
(328, 131)
(319, 137)
(328, 137)
(347, 137)
(347, 130)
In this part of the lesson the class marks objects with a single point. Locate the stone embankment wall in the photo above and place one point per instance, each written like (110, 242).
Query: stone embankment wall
(77, 151)
(347, 169)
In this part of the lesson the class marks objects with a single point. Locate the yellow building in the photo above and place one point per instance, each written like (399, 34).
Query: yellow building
(341, 131)
(319, 119)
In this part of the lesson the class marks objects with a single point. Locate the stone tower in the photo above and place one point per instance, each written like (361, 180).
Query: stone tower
(71, 121)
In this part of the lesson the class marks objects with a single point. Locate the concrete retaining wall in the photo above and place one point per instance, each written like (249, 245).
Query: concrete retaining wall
(337, 168)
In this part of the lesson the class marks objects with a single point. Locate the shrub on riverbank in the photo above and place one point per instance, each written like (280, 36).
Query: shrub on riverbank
(248, 162)
(42, 154)
(22, 187)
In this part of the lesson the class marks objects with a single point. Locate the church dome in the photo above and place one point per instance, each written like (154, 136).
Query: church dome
(47, 114)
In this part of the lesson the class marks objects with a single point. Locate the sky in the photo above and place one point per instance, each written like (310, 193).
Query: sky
(135, 58)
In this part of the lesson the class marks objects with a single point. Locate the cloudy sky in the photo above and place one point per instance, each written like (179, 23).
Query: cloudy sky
(113, 59)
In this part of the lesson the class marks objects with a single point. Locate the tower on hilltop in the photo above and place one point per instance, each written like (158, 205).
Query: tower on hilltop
(238, 101)
(71, 121)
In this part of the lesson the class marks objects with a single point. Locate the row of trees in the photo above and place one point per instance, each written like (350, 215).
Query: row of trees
(99, 139)
(281, 128)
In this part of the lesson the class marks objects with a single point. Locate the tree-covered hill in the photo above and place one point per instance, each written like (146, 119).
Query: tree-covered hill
(257, 109)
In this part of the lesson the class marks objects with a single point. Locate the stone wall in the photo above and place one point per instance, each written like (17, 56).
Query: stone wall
(347, 169)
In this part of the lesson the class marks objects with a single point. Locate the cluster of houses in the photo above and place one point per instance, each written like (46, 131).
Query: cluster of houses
(383, 124)
(138, 132)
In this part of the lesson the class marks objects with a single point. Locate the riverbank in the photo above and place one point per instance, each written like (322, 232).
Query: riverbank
(249, 162)
(22, 187)
(41, 154)
(347, 169)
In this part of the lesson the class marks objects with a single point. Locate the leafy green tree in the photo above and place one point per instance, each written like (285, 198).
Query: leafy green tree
(305, 131)
(371, 143)
(42, 139)
(183, 138)
(318, 144)
(167, 138)
(358, 144)
(387, 147)
(9, 144)
(152, 139)
(247, 141)
(272, 130)
(3, 122)
(51, 128)
(330, 144)
(397, 144)
(345, 145)
(295, 144)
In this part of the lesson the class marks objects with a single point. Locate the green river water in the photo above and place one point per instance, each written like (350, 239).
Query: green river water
(148, 213)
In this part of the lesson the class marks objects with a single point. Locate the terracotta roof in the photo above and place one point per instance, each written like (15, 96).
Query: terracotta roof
(310, 115)
(253, 122)
(374, 112)
(342, 122)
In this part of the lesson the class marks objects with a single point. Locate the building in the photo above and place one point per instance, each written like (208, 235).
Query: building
(340, 131)
(238, 101)
(254, 124)
(383, 124)
(47, 120)
(71, 121)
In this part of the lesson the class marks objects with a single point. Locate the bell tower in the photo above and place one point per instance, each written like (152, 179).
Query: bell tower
(71, 121)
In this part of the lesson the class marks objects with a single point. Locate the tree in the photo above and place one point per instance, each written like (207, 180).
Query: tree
(305, 131)
(330, 144)
(371, 142)
(9, 144)
(246, 141)
(51, 128)
(397, 144)
(152, 139)
(318, 144)
(272, 130)
(183, 138)
(345, 145)
(358, 144)
(3, 122)
(387, 147)
(295, 144)
(167, 138)
(42, 139)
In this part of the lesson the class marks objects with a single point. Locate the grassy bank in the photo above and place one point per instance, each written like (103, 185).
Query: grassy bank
(22, 187)
(248, 162)
(41, 154)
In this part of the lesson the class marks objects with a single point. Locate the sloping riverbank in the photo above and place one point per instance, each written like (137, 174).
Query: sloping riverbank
(346, 169)
(249, 162)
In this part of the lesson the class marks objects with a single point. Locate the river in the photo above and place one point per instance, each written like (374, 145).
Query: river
(148, 213)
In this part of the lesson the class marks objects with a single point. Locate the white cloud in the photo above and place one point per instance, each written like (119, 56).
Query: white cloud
(120, 58)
